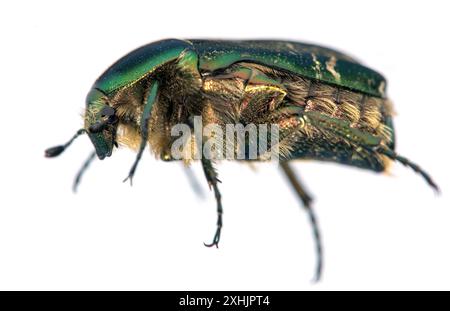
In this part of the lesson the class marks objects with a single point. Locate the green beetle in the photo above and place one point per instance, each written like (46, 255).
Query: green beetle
(326, 106)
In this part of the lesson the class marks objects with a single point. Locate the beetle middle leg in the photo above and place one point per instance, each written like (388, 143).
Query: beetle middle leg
(211, 178)
(306, 200)
(192, 179)
(82, 170)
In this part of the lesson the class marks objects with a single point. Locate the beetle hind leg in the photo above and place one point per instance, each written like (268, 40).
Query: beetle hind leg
(394, 156)
(307, 200)
(211, 178)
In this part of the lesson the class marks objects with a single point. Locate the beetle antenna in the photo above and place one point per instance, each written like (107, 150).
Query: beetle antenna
(81, 171)
(394, 156)
(57, 150)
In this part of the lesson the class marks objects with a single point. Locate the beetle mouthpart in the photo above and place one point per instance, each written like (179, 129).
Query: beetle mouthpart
(103, 143)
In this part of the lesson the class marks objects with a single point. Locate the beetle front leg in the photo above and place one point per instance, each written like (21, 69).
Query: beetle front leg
(306, 200)
(211, 178)
(145, 118)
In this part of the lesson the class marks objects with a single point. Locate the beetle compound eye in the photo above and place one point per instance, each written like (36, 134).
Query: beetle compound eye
(112, 119)
(107, 111)
(110, 113)
(97, 127)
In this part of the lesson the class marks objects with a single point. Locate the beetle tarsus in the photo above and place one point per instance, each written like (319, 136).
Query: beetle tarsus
(416, 168)
(211, 177)
(132, 171)
(216, 238)
(306, 200)
(144, 137)
(319, 251)
(81, 171)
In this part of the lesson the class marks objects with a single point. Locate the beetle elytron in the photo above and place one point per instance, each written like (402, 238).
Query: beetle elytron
(327, 106)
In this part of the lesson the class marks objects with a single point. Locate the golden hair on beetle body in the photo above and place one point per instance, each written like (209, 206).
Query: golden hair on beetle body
(232, 100)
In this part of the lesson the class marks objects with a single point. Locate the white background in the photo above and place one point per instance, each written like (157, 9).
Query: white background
(387, 231)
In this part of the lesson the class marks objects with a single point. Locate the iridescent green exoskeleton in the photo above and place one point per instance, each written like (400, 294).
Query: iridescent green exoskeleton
(325, 104)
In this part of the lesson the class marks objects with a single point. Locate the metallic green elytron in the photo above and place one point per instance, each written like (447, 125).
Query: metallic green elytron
(326, 105)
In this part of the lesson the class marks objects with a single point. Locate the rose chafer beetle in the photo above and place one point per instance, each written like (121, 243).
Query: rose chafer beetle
(326, 105)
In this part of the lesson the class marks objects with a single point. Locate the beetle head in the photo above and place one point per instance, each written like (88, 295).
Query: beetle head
(100, 122)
